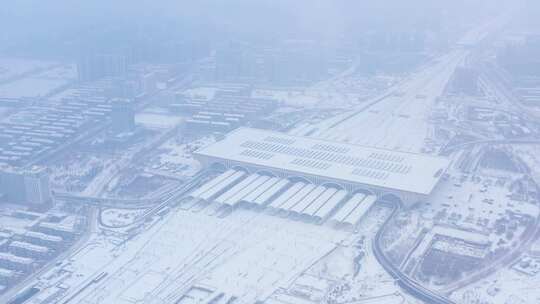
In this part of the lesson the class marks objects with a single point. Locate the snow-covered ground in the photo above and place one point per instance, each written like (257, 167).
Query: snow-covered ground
(476, 204)
(530, 154)
(506, 286)
(120, 217)
(246, 254)
(399, 121)
(204, 93)
(345, 93)
(39, 84)
(176, 159)
(12, 67)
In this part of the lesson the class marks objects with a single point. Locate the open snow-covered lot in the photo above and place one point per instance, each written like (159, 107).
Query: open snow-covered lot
(246, 254)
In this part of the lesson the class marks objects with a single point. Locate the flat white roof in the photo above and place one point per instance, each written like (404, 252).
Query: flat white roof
(410, 172)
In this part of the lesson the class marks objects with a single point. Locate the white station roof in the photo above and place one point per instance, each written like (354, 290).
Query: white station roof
(415, 173)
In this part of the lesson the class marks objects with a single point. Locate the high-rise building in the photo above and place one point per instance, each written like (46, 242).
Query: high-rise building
(294, 62)
(12, 186)
(25, 186)
(122, 115)
(37, 187)
(229, 62)
(95, 66)
(149, 83)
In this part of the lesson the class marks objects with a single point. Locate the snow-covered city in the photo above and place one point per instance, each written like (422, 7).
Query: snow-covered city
(270, 152)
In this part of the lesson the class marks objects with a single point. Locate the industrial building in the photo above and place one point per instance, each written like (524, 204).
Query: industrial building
(6, 276)
(4, 243)
(65, 231)
(16, 263)
(42, 239)
(37, 131)
(29, 250)
(230, 108)
(306, 167)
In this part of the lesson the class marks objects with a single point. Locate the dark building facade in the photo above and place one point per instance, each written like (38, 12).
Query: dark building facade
(95, 66)
(25, 186)
(122, 115)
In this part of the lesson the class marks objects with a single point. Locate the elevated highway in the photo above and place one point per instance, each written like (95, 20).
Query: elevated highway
(101, 201)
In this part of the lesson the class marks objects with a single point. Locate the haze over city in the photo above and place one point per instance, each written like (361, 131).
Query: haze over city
(270, 152)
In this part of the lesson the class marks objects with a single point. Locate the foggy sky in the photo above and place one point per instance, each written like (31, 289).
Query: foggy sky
(35, 22)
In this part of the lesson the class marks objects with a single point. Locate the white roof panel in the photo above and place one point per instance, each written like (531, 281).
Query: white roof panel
(280, 200)
(310, 198)
(222, 185)
(263, 198)
(250, 198)
(331, 204)
(208, 185)
(363, 208)
(297, 197)
(236, 188)
(235, 199)
(317, 204)
(348, 207)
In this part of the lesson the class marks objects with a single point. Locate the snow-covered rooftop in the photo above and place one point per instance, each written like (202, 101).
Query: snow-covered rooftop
(415, 173)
